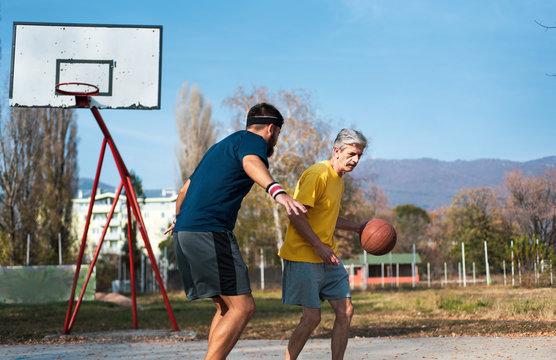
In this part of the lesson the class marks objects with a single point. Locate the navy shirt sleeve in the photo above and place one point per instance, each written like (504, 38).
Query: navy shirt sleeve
(256, 146)
(219, 184)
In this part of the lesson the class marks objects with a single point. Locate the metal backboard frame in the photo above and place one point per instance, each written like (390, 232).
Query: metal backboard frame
(123, 61)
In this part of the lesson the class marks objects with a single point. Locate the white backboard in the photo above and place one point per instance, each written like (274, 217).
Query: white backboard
(123, 61)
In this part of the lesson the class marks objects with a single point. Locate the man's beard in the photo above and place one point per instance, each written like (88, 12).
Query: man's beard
(269, 150)
(269, 147)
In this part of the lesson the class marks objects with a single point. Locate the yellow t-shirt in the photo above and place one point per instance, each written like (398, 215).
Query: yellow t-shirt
(321, 188)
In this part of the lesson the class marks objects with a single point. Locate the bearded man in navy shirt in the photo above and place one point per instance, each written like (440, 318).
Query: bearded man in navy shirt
(209, 260)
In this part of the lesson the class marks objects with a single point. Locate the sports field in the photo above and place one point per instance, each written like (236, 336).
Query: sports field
(472, 311)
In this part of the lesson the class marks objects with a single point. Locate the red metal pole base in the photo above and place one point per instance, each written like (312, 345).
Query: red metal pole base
(132, 204)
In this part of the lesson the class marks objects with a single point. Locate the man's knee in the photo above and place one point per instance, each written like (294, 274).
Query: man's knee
(344, 312)
(243, 305)
(250, 309)
(349, 310)
(311, 318)
(247, 306)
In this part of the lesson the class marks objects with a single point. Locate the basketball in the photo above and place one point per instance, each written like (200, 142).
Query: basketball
(378, 237)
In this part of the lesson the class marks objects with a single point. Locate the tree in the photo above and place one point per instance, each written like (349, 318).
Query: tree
(304, 140)
(137, 184)
(546, 28)
(411, 223)
(358, 204)
(531, 206)
(21, 182)
(59, 171)
(439, 244)
(475, 217)
(196, 130)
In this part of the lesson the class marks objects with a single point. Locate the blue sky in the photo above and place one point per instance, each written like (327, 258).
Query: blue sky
(440, 79)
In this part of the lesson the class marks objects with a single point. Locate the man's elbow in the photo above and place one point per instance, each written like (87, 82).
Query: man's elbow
(183, 190)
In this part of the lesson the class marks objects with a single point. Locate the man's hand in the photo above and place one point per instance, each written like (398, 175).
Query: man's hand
(302, 225)
(362, 227)
(290, 204)
(171, 228)
(327, 255)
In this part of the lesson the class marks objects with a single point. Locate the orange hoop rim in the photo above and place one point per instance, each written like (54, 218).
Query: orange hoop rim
(95, 90)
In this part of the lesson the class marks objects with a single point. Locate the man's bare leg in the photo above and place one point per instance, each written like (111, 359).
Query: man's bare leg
(221, 309)
(343, 309)
(309, 321)
(227, 327)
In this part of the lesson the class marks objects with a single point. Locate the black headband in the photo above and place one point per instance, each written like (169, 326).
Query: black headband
(265, 120)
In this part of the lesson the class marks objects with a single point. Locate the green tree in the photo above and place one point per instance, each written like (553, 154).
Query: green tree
(527, 253)
(137, 183)
(411, 223)
(168, 244)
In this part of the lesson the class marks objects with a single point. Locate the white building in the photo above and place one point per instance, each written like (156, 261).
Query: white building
(157, 209)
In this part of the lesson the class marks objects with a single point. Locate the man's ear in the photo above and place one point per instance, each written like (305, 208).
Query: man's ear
(270, 129)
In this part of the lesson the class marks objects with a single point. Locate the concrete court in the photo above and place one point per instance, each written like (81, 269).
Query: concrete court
(528, 348)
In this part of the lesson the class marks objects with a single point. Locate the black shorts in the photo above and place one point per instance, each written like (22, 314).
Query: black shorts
(210, 264)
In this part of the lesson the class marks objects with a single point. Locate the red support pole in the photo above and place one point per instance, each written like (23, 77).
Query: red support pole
(142, 229)
(84, 238)
(131, 264)
(95, 257)
(130, 194)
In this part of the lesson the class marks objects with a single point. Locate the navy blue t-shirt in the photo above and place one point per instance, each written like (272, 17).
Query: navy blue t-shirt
(219, 184)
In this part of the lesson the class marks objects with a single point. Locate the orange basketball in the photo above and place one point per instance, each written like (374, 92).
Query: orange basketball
(378, 237)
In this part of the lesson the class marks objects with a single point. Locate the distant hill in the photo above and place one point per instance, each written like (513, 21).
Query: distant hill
(85, 185)
(431, 184)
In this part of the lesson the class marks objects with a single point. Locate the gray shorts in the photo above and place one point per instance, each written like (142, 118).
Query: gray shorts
(210, 264)
(308, 284)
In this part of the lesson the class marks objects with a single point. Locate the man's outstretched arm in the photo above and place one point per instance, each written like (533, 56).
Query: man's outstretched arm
(255, 168)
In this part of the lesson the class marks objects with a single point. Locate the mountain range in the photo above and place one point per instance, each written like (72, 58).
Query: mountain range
(427, 183)
(431, 184)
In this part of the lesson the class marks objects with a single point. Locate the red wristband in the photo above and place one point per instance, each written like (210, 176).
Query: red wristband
(274, 189)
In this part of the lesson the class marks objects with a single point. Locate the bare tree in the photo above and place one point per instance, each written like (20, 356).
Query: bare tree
(546, 28)
(439, 243)
(531, 205)
(358, 204)
(304, 140)
(21, 181)
(196, 130)
(475, 216)
(59, 171)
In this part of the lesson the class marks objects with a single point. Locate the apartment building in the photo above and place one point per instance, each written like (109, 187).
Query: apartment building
(158, 209)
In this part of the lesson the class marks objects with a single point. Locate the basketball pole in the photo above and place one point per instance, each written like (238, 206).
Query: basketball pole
(67, 329)
(93, 263)
(133, 205)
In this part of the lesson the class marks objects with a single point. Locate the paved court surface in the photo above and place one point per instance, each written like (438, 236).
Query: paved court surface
(528, 348)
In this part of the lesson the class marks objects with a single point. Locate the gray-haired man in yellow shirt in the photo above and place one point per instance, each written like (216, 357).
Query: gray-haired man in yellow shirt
(313, 272)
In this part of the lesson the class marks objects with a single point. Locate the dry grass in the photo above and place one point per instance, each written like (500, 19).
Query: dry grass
(484, 311)
(489, 311)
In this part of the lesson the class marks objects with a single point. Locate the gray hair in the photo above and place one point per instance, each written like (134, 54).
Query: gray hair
(350, 137)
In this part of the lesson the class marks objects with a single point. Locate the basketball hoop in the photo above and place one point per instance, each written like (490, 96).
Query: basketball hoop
(81, 91)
